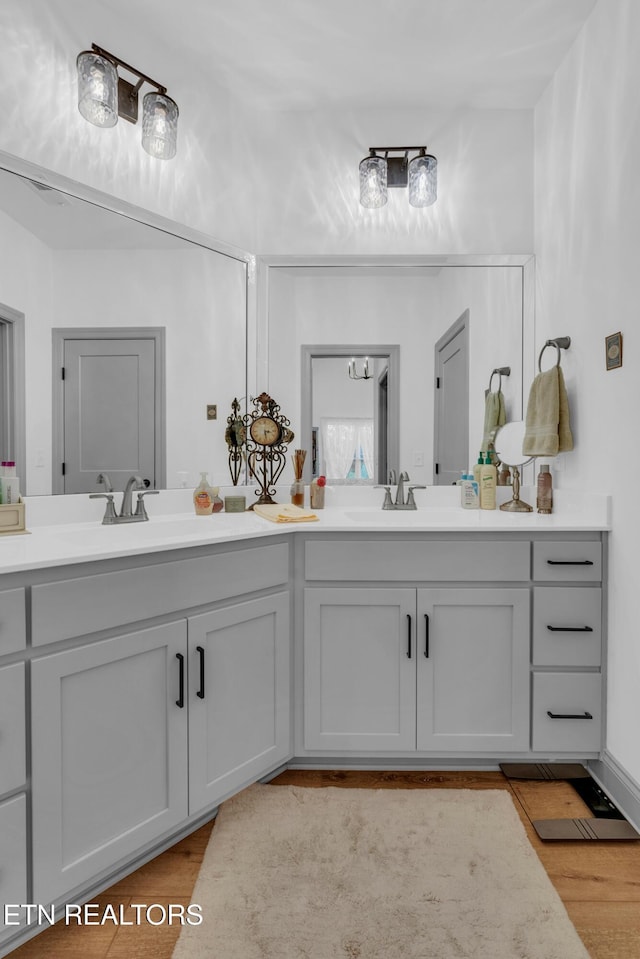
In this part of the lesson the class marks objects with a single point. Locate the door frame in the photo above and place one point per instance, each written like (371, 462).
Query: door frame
(12, 392)
(59, 337)
(461, 325)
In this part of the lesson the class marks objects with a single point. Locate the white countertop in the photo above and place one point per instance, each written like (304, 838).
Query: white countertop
(68, 529)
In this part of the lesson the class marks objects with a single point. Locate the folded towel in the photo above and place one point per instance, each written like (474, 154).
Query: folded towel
(494, 417)
(285, 513)
(547, 429)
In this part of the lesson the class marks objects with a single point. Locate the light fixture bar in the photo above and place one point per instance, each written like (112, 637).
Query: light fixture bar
(394, 149)
(143, 77)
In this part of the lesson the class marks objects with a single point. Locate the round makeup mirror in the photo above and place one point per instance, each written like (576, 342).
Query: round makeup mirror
(508, 445)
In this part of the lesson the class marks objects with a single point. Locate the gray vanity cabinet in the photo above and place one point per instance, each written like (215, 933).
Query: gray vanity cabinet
(109, 754)
(398, 670)
(178, 699)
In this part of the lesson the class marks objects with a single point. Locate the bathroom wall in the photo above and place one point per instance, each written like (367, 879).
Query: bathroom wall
(587, 210)
(267, 182)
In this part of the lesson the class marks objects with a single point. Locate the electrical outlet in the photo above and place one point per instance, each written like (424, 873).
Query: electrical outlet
(212, 411)
(418, 458)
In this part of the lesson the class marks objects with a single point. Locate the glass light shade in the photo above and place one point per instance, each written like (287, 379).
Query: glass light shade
(159, 126)
(423, 180)
(373, 182)
(97, 89)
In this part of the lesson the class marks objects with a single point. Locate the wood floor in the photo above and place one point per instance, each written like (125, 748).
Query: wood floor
(598, 882)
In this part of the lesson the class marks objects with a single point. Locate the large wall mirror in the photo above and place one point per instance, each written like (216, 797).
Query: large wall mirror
(413, 302)
(130, 310)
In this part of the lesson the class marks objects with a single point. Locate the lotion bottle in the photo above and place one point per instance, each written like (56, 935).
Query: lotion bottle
(487, 484)
(544, 497)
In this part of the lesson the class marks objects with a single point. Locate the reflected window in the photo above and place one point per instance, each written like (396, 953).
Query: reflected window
(347, 450)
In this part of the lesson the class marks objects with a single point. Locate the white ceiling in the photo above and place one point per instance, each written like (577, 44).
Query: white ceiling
(320, 54)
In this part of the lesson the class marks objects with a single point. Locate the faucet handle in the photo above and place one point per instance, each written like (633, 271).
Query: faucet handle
(140, 507)
(388, 502)
(109, 511)
(411, 502)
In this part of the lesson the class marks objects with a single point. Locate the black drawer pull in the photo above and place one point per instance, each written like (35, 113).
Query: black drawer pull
(570, 562)
(570, 629)
(584, 715)
(426, 636)
(180, 699)
(408, 636)
(200, 693)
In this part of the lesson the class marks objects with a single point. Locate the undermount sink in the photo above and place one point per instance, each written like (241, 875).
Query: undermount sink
(155, 530)
(444, 516)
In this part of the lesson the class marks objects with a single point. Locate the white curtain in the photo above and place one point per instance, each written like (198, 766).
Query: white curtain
(341, 440)
(365, 435)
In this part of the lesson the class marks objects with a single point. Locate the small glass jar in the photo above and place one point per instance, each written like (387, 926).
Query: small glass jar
(297, 493)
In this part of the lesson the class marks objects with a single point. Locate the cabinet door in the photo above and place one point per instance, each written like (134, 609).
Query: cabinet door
(239, 697)
(473, 670)
(359, 669)
(109, 754)
(13, 859)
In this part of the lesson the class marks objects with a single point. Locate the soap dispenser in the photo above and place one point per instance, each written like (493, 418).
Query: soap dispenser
(202, 498)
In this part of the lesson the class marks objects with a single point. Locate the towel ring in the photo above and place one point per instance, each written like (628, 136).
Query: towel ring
(560, 343)
(501, 371)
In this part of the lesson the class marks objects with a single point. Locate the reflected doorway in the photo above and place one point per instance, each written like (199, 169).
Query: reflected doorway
(350, 425)
(109, 410)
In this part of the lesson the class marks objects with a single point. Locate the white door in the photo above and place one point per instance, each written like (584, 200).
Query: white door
(111, 420)
(239, 697)
(109, 765)
(451, 403)
(359, 669)
(473, 670)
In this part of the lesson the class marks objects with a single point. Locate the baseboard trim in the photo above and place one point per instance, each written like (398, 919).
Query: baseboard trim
(619, 785)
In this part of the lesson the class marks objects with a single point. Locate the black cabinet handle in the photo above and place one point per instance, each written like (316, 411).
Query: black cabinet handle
(200, 693)
(570, 562)
(584, 715)
(180, 699)
(570, 629)
(426, 635)
(408, 636)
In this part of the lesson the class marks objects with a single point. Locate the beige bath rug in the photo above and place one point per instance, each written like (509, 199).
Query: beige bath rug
(330, 873)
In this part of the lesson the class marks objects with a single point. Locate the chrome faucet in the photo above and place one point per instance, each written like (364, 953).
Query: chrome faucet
(400, 502)
(126, 514)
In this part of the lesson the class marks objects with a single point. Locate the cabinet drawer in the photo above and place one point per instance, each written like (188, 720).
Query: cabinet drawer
(13, 855)
(411, 560)
(567, 626)
(13, 632)
(579, 562)
(88, 604)
(574, 700)
(12, 727)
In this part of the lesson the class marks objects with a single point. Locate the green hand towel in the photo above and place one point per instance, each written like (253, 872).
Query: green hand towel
(547, 429)
(494, 417)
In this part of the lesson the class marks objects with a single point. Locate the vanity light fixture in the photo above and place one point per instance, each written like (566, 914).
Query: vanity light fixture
(103, 96)
(378, 173)
(365, 375)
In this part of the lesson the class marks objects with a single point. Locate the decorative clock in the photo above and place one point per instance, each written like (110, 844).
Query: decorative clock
(267, 435)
